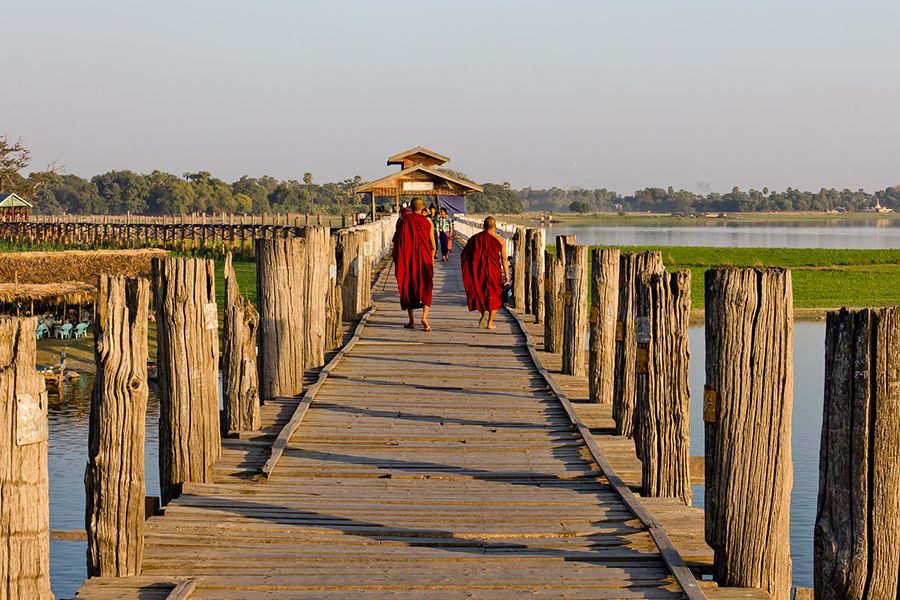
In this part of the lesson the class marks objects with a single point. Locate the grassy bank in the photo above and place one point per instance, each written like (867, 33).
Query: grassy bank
(822, 278)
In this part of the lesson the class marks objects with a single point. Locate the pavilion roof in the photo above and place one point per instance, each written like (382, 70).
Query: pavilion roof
(13, 200)
(394, 178)
(397, 159)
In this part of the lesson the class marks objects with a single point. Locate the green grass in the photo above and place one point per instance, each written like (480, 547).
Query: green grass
(822, 278)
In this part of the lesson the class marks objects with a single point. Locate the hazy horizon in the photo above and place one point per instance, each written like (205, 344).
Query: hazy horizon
(696, 95)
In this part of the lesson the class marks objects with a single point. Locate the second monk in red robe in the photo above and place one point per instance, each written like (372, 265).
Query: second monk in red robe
(413, 255)
(484, 270)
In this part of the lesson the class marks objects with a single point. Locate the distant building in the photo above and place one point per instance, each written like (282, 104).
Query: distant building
(14, 208)
(878, 208)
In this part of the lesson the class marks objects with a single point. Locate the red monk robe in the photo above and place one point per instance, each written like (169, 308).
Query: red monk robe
(413, 257)
(481, 272)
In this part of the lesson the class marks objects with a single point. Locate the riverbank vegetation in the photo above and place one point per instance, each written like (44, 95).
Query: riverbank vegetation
(157, 193)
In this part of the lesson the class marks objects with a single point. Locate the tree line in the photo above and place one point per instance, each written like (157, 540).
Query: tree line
(120, 192)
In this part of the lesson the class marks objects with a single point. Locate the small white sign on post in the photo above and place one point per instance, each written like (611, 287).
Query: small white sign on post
(332, 272)
(210, 316)
(31, 419)
(367, 248)
(642, 330)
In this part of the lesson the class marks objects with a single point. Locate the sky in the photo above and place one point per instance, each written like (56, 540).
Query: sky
(701, 95)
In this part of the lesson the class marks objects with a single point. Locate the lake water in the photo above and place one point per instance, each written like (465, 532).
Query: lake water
(877, 233)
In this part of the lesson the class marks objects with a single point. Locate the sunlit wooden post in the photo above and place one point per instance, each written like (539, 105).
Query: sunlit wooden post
(604, 311)
(240, 377)
(538, 248)
(857, 531)
(24, 490)
(662, 424)
(114, 479)
(187, 336)
(519, 269)
(747, 413)
(631, 266)
(280, 298)
(575, 327)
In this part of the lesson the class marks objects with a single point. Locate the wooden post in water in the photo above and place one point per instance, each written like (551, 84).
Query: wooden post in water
(538, 247)
(354, 274)
(187, 353)
(334, 306)
(318, 249)
(747, 405)
(604, 311)
(528, 255)
(662, 423)
(240, 377)
(575, 326)
(114, 478)
(631, 266)
(280, 296)
(519, 269)
(554, 294)
(25, 504)
(857, 531)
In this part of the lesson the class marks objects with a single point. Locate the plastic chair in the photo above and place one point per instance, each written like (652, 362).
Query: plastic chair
(80, 330)
(42, 331)
(64, 332)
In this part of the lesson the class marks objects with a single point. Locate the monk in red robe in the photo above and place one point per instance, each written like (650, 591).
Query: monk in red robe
(484, 270)
(413, 255)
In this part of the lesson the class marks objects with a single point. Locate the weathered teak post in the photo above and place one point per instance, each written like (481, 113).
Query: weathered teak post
(604, 311)
(554, 302)
(857, 532)
(114, 477)
(519, 269)
(333, 301)
(280, 293)
(240, 377)
(188, 358)
(354, 273)
(747, 405)
(529, 269)
(318, 249)
(631, 266)
(24, 492)
(575, 327)
(662, 423)
(538, 248)
(554, 294)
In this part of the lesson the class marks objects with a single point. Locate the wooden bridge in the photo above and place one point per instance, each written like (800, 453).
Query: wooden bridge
(442, 464)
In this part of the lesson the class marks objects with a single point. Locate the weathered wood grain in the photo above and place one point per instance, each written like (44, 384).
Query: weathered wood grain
(554, 302)
(603, 315)
(529, 270)
(857, 530)
(315, 291)
(747, 410)
(662, 422)
(575, 325)
(334, 305)
(240, 375)
(538, 248)
(280, 294)
(114, 477)
(24, 494)
(188, 361)
(519, 265)
(631, 266)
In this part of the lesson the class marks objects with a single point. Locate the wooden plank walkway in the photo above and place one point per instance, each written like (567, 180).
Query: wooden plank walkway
(430, 465)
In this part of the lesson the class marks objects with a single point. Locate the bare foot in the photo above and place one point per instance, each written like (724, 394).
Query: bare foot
(483, 321)
(425, 325)
(410, 326)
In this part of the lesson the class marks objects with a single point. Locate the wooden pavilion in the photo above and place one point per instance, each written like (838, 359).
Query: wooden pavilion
(418, 176)
(14, 208)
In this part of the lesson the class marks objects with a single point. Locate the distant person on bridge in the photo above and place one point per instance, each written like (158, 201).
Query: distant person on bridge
(445, 233)
(413, 256)
(483, 271)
